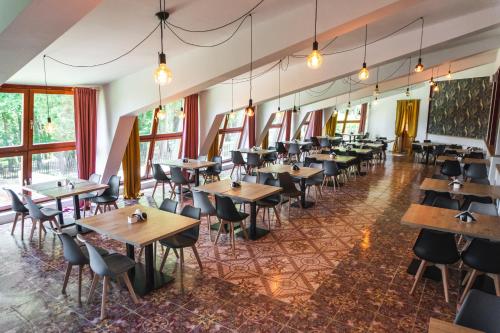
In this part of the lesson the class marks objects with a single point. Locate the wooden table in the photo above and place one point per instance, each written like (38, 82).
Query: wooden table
(191, 165)
(340, 159)
(303, 173)
(480, 190)
(466, 160)
(361, 151)
(258, 151)
(248, 192)
(300, 143)
(159, 225)
(51, 190)
(442, 219)
(441, 326)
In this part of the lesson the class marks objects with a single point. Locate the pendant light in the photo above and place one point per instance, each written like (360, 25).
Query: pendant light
(349, 97)
(181, 114)
(299, 103)
(279, 86)
(162, 74)
(250, 109)
(375, 101)
(448, 76)
(431, 81)
(420, 67)
(49, 126)
(364, 73)
(294, 110)
(376, 91)
(407, 93)
(160, 114)
(231, 113)
(436, 87)
(315, 59)
(335, 111)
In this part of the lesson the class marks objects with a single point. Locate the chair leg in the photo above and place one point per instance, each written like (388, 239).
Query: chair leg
(40, 223)
(471, 281)
(104, 297)
(218, 232)
(231, 175)
(115, 205)
(33, 227)
(66, 278)
(197, 256)
(95, 280)
(163, 190)
(140, 255)
(496, 280)
(182, 269)
(130, 288)
(176, 253)
(244, 229)
(80, 271)
(14, 224)
(154, 189)
(164, 259)
(231, 230)
(444, 273)
(23, 216)
(418, 276)
(209, 225)
(278, 220)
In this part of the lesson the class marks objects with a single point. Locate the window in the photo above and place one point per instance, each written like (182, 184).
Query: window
(28, 153)
(304, 126)
(348, 122)
(230, 133)
(161, 139)
(276, 131)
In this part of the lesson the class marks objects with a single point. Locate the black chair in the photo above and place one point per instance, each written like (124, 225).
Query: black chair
(19, 208)
(85, 197)
(451, 168)
(202, 201)
(305, 149)
(270, 158)
(113, 266)
(229, 215)
(294, 152)
(308, 160)
(213, 171)
(417, 151)
(253, 162)
(475, 171)
(289, 191)
(161, 177)
(264, 176)
(185, 239)
(315, 143)
(475, 154)
(269, 203)
(75, 255)
(315, 181)
(427, 141)
(238, 163)
(41, 215)
(430, 197)
(178, 180)
(281, 150)
(438, 151)
(480, 312)
(109, 196)
(331, 172)
(436, 248)
(325, 143)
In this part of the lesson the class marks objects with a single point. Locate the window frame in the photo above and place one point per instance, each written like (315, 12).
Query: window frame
(344, 122)
(224, 130)
(278, 125)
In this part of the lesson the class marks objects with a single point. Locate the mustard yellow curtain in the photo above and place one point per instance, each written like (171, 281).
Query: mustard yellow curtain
(412, 108)
(330, 125)
(132, 165)
(265, 141)
(406, 118)
(214, 148)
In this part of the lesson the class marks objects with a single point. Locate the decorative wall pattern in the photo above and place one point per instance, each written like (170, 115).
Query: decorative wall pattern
(461, 108)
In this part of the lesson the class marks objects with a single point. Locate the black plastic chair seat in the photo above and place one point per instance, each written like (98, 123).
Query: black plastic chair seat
(480, 312)
(483, 255)
(87, 196)
(118, 264)
(104, 199)
(179, 241)
(50, 212)
(314, 181)
(436, 247)
(430, 197)
(268, 202)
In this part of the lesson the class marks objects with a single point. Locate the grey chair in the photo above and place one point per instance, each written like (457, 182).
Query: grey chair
(113, 266)
(238, 163)
(289, 189)
(108, 198)
(250, 179)
(270, 202)
(294, 152)
(213, 172)
(85, 197)
(229, 215)
(41, 215)
(264, 176)
(161, 177)
(202, 201)
(178, 180)
(315, 181)
(331, 172)
(253, 162)
(75, 255)
(19, 208)
(475, 171)
(185, 239)
(480, 312)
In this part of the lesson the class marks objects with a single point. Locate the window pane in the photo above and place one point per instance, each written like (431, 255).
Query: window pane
(351, 128)
(278, 118)
(354, 113)
(273, 136)
(166, 150)
(11, 119)
(338, 128)
(53, 166)
(144, 149)
(62, 115)
(236, 119)
(303, 130)
(146, 122)
(172, 123)
(11, 175)
(231, 141)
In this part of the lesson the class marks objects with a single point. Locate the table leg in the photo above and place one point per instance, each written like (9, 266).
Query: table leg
(76, 207)
(253, 231)
(60, 208)
(150, 270)
(197, 177)
(304, 203)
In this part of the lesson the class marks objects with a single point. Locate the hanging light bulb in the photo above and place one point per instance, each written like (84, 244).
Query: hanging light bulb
(315, 59)
(363, 73)
(407, 92)
(431, 82)
(436, 87)
(162, 74)
(448, 76)
(376, 91)
(375, 101)
(49, 126)
(181, 114)
(420, 67)
(250, 109)
(161, 114)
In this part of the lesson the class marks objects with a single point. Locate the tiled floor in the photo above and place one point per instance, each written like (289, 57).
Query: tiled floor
(338, 267)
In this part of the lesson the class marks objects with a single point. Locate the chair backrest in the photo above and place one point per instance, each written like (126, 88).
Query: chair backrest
(451, 168)
(443, 202)
(319, 166)
(439, 150)
(484, 181)
(331, 168)
(71, 251)
(34, 211)
(168, 205)
(427, 141)
(483, 208)
(416, 147)
(194, 213)
(294, 149)
(475, 154)
(16, 203)
(226, 209)
(264, 176)
(217, 167)
(280, 148)
(158, 173)
(237, 157)
(273, 182)
(97, 263)
(250, 179)
(479, 312)
(114, 187)
(202, 201)
(476, 171)
(253, 159)
(315, 141)
(95, 178)
(177, 176)
(286, 182)
(308, 160)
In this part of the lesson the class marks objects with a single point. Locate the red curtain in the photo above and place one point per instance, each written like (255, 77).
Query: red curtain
(288, 124)
(190, 130)
(85, 104)
(251, 130)
(362, 121)
(315, 124)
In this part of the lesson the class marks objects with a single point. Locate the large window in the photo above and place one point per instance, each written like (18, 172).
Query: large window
(348, 121)
(304, 126)
(28, 152)
(276, 130)
(161, 137)
(230, 133)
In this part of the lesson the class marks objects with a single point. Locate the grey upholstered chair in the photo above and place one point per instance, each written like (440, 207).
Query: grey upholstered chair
(41, 215)
(108, 198)
(480, 312)
(202, 201)
(179, 181)
(160, 177)
(85, 197)
(19, 208)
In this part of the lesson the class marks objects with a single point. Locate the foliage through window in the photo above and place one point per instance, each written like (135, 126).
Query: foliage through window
(62, 115)
(348, 122)
(11, 119)
(230, 133)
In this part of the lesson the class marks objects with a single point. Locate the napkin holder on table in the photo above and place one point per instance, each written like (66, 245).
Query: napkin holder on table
(465, 216)
(295, 167)
(235, 184)
(137, 216)
(456, 184)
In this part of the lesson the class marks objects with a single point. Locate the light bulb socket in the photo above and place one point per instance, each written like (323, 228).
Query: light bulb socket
(162, 58)
(49, 120)
(162, 16)
(364, 65)
(279, 108)
(250, 102)
(315, 45)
